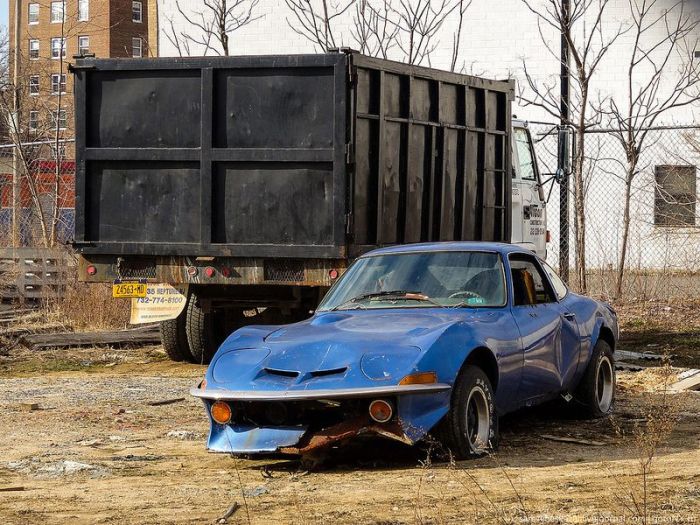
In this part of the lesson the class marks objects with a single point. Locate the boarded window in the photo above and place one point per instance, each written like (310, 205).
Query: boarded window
(675, 196)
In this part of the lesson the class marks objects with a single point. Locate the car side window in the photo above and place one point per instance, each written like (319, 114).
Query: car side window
(559, 287)
(530, 286)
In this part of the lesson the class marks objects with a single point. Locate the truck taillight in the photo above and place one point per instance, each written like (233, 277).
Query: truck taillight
(549, 236)
(333, 274)
(91, 270)
(209, 271)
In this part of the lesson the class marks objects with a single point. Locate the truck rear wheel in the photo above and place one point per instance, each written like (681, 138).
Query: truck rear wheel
(204, 330)
(173, 336)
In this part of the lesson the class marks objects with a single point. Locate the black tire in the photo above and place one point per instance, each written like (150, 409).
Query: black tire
(595, 394)
(204, 330)
(464, 432)
(173, 335)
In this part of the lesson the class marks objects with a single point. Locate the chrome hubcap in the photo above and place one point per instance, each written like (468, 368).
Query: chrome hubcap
(478, 419)
(604, 386)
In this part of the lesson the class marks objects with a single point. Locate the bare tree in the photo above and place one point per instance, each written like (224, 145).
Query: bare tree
(419, 23)
(210, 26)
(316, 20)
(371, 30)
(34, 104)
(582, 26)
(406, 30)
(655, 85)
(457, 37)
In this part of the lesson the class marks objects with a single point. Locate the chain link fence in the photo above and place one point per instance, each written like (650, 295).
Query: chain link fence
(663, 228)
(38, 208)
(663, 248)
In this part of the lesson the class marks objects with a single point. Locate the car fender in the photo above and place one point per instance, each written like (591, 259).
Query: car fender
(603, 318)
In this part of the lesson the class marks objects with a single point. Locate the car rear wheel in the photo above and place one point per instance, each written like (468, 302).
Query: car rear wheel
(596, 391)
(205, 330)
(173, 336)
(470, 428)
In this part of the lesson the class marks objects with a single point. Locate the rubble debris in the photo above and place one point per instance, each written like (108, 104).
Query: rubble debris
(255, 492)
(629, 367)
(29, 407)
(64, 467)
(11, 489)
(689, 380)
(185, 435)
(578, 441)
(166, 402)
(142, 335)
(646, 356)
(230, 512)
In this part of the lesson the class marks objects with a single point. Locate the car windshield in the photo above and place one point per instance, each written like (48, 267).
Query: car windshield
(426, 279)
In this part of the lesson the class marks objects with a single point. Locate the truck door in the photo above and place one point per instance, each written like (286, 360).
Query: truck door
(529, 214)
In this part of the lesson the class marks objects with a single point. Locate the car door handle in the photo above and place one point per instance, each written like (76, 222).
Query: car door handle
(569, 316)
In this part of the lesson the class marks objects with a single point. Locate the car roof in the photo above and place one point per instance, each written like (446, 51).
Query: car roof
(450, 246)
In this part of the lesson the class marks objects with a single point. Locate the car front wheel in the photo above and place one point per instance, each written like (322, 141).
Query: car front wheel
(470, 428)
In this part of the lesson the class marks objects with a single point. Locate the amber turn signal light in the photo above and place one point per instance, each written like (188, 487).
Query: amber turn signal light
(380, 410)
(221, 412)
(420, 378)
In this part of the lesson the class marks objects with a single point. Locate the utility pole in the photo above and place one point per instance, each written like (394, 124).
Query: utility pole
(16, 156)
(564, 116)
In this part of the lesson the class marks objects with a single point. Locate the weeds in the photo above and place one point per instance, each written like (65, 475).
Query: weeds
(660, 413)
(87, 306)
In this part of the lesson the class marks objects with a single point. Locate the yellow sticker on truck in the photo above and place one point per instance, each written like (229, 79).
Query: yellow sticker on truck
(161, 302)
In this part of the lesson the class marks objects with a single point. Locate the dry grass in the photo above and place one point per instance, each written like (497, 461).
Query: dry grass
(661, 410)
(87, 307)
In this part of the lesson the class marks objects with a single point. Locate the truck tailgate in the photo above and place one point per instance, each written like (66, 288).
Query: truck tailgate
(234, 156)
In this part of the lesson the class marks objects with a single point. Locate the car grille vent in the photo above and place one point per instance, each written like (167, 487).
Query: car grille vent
(329, 372)
(284, 270)
(136, 269)
(283, 373)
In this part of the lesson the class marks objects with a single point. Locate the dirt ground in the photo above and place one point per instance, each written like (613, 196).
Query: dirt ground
(95, 451)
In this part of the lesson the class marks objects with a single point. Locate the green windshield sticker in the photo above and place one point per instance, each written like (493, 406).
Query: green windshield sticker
(476, 300)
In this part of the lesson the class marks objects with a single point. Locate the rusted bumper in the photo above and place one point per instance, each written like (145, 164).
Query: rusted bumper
(315, 441)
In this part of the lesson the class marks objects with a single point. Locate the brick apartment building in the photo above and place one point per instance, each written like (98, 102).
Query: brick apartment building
(51, 33)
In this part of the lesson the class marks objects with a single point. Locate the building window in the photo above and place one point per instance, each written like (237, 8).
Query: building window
(137, 12)
(62, 119)
(33, 14)
(34, 85)
(58, 48)
(83, 45)
(61, 151)
(33, 49)
(136, 47)
(83, 10)
(33, 120)
(58, 84)
(58, 10)
(675, 196)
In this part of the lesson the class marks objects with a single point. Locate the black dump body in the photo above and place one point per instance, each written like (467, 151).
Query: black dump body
(311, 156)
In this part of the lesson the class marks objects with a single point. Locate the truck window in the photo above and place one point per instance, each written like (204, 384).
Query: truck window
(527, 165)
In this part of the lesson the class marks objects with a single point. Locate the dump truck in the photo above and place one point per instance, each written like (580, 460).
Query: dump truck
(216, 192)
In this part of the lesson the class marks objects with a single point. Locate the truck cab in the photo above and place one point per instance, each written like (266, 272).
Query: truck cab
(529, 214)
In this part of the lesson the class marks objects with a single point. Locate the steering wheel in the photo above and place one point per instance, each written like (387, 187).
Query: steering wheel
(466, 293)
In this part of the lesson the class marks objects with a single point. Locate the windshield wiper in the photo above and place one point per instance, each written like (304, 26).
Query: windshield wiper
(389, 294)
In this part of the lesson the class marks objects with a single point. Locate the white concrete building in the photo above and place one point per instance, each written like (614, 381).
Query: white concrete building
(497, 38)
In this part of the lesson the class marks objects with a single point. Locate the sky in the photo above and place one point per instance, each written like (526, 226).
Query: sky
(4, 12)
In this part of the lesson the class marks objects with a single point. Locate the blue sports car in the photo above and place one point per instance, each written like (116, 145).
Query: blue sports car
(438, 338)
